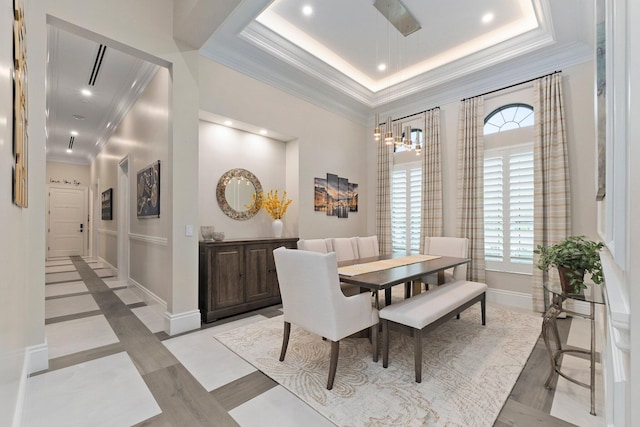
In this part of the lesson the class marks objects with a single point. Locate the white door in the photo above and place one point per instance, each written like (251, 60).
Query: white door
(67, 221)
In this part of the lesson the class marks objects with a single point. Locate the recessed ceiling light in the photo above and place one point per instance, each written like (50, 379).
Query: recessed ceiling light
(228, 122)
(307, 10)
(382, 67)
(86, 92)
(263, 132)
(69, 150)
(78, 117)
(74, 133)
(487, 17)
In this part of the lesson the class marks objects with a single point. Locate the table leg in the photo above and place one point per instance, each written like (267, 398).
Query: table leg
(417, 287)
(549, 325)
(593, 360)
(387, 296)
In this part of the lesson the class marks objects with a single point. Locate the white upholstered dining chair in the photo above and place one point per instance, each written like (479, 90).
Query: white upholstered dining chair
(368, 246)
(316, 245)
(311, 299)
(346, 248)
(447, 246)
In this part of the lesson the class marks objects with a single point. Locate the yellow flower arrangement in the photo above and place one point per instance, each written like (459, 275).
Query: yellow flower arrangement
(275, 206)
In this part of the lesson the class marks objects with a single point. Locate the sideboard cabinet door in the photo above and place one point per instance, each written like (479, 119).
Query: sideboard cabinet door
(228, 266)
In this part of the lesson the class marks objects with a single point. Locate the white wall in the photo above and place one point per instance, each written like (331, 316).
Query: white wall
(15, 253)
(63, 173)
(143, 135)
(323, 142)
(222, 149)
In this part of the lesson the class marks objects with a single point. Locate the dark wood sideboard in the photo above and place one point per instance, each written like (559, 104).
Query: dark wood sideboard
(236, 276)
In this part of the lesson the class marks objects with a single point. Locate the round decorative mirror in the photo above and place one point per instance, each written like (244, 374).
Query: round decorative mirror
(235, 192)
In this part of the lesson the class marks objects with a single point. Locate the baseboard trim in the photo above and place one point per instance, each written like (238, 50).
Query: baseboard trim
(37, 357)
(146, 295)
(510, 298)
(111, 267)
(182, 322)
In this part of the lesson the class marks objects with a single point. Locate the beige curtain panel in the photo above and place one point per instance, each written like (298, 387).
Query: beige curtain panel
(432, 222)
(470, 198)
(552, 195)
(383, 197)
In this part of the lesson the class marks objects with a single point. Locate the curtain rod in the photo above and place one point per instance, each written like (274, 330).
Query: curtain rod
(410, 115)
(513, 85)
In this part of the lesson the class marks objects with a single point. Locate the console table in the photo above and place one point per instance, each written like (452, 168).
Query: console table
(593, 295)
(236, 276)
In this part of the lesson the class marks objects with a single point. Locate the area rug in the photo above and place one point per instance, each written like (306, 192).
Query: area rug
(468, 370)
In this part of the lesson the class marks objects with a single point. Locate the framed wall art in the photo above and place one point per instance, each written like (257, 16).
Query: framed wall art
(20, 116)
(107, 204)
(148, 191)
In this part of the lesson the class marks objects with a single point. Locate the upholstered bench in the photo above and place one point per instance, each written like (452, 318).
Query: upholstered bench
(427, 310)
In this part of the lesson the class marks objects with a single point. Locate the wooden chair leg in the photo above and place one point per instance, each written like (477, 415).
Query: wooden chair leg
(285, 340)
(374, 341)
(333, 364)
(417, 334)
(385, 343)
(483, 309)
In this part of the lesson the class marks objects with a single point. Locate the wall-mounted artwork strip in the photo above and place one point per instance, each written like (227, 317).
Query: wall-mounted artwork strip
(20, 137)
(148, 193)
(107, 204)
(335, 195)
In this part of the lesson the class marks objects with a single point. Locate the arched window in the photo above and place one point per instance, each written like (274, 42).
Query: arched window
(508, 189)
(510, 116)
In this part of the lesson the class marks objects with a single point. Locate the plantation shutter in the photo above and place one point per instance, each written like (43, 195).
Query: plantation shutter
(406, 206)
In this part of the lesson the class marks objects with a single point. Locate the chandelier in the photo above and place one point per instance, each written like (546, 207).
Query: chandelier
(394, 133)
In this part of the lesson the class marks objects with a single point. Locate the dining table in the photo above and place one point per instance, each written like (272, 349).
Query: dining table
(407, 274)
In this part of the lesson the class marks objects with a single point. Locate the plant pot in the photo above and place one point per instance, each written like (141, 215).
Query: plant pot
(566, 274)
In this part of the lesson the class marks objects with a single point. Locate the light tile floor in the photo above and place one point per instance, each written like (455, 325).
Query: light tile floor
(109, 390)
(102, 392)
(76, 335)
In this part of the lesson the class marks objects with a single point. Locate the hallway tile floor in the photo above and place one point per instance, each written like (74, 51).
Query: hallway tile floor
(110, 363)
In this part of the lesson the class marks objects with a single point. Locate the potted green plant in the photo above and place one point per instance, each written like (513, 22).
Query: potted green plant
(573, 257)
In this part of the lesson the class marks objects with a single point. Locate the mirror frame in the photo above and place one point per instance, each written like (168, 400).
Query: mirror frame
(222, 200)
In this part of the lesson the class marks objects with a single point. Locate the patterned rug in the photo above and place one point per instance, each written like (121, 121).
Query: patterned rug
(468, 370)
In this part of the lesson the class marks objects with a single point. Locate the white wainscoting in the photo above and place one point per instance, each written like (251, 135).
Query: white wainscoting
(616, 363)
(162, 241)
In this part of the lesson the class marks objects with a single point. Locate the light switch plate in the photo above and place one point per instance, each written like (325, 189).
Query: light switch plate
(188, 230)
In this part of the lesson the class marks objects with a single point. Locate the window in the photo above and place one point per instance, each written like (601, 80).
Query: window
(511, 116)
(508, 208)
(406, 207)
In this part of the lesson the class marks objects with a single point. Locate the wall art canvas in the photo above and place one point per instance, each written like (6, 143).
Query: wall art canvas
(332, 194)
(20, 116)
(320, 194)
(343, 198)
(107, 204)
(148, 191)
(353, 197)
(335, 195)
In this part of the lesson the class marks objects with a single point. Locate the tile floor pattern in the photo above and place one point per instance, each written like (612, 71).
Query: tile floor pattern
(112, 364)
